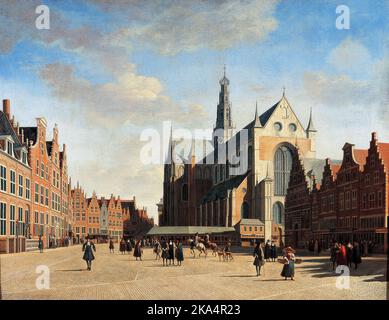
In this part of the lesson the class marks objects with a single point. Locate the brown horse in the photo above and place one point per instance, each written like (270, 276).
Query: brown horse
(213, 246)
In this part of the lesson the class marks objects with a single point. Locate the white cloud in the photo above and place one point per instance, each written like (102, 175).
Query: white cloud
(178, 26)
(350, 55)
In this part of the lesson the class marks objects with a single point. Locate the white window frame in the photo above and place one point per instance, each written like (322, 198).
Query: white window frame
(3, 178)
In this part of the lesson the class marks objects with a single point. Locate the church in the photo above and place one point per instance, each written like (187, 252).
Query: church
(203, 193)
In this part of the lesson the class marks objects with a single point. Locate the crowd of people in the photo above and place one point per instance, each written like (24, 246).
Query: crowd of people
(342, 254)
(317, 246)
(171, 252)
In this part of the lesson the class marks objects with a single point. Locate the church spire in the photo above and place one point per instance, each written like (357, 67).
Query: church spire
(169, 158)
(311, 127)
(223, 117)
(257, 123)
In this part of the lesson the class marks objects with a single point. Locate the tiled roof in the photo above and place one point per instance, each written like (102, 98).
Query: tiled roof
(251, 222)
(360, 156)
(335, 169)
(6, 128)
(383, 149)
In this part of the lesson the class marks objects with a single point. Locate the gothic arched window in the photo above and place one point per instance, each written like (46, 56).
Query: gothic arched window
(282, 168)
(277, 213)
(244, 210)
(184, 194)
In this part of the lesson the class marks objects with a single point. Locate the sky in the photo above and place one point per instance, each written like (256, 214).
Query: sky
(106, 71)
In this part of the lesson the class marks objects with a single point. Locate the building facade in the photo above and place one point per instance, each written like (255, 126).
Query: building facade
(202, 194)
(348, 199)
(15, 183)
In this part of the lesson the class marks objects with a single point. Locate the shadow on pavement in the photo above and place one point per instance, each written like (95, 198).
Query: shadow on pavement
(71, 270)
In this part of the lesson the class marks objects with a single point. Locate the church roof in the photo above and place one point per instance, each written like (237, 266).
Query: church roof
(313, 167)
(264, 117)
(185, 230)
(219, 191)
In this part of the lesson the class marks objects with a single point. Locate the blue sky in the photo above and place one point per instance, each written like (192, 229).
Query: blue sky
(106, 72)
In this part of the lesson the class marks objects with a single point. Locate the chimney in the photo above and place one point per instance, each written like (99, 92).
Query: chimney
(7, 108)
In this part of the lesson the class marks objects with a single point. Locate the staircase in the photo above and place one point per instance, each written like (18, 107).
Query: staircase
(31, 244)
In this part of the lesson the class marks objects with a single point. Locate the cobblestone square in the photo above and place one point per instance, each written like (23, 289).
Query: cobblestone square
(116, 276)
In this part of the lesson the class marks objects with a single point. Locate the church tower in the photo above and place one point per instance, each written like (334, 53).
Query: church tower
(223, 117)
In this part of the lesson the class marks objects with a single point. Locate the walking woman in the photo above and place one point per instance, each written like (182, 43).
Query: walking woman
(179, 253)
(356, 255)
(165, 251)
(138, 251)
(111, 246)
(259, 259)
(122, 246)
(172, 250)
(128, 246)
(88, 248)
(341, 259)
(334, 253)
(288, 269)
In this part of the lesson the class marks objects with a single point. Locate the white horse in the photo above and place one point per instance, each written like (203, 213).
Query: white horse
(199, 246)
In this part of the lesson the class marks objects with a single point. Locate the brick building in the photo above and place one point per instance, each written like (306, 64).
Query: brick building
(36, 196)
(115, 219)
(80, 220)
(350, 203)
(15, 183)
(93, 214)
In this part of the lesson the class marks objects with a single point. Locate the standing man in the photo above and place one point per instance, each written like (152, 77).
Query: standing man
(267, 250)
(111, 246)
(138, 250)
(171, 251)
(273, 251)
(88, 248)
(40, 244)
(258, 257)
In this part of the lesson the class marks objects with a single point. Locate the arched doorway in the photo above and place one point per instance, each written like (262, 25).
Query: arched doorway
(283, 158)
(244, 210)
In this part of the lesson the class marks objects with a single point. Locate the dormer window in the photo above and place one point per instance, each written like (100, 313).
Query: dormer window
(10, 147)
(24, 157)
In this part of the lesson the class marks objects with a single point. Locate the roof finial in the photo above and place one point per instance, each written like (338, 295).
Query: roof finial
(283, 91)
(224, 70)
(257, 123)
(267, 171)
(310, 127)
